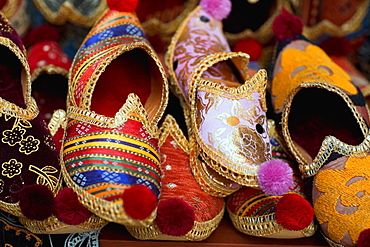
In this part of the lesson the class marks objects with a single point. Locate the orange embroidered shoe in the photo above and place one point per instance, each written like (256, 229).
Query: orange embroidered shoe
(30, 171)
(325, 123)
(224, 107)
(185, 211)
(287, 216)
(117, 94)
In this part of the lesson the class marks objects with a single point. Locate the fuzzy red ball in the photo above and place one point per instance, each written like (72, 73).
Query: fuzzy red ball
(69, 209)
(123, 5)
(43, 33)
(36, 202)
(294, 212)
(364, 239)
(287, 25)
(336, 46)
(251, 47)
(175, 217)
(139, 202)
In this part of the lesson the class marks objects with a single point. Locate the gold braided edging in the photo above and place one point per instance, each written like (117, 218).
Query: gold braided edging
(57, 121)
(329, 28)
(199, 232)
(264, 33)
(330, 144)
(170, 127)
(9, 108)
(264, 225)
(68, 12)
(53, 225)
(50, 70)
(153, 25)
(330, 242)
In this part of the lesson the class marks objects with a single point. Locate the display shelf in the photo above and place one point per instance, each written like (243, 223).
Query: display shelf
(114, 235)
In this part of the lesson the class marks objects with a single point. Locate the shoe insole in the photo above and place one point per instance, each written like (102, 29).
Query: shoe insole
(128, 73)
(317, 113)
(10, 77)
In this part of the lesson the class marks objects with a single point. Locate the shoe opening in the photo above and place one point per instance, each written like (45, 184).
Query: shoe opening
(317, 113)
(132, 72)
(10, 77)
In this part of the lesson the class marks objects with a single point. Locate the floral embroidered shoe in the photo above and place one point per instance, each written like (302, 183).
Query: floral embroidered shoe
(185, 211)
(287, 216)
(117, 94)
(224, 108)
(325, 123)
(30, 169)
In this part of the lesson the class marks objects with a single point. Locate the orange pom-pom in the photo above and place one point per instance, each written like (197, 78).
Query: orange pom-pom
(123, 5)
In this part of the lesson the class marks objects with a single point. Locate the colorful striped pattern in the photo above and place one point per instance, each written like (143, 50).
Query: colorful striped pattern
(105, 162)
(114, 31)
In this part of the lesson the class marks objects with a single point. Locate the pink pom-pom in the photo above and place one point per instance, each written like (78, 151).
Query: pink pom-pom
(275, 177)
(139, 201)
(364, 239)
(218, 9)
(69, 209)
(293, 212)
(175, 217)
(36, 202)
(123, 5)
(287, 25)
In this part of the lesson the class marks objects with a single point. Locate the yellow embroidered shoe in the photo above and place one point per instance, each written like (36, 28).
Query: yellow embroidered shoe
(224, 107)
(185, 211)
(325, 123)
(287, 216)
(117, 94)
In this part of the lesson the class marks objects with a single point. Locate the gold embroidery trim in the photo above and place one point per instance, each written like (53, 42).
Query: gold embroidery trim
(57, 121)
(264, 225)
(330, 143)
(50, 70)
(200, 231)
(19, 230)
(329, 28)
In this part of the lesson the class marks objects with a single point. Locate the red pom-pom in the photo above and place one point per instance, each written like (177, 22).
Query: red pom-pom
(139, 202)
(218, 9)
(336, 46)
(123, 5)
(364, 239)
(287, 25)
(36, 202)
(43, 33)
(175, 217)
(251, 47)
(69, 209)
(3, 3)
(293, 212)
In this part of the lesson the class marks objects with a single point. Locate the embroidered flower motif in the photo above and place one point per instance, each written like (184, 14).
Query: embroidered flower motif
(11, 168)
(13, 136)
(1, 185)
(29, 145)
(48, 140)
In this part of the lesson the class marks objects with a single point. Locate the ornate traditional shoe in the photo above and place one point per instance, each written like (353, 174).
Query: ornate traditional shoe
(30, 170)
(83, 14)
(224, 108)
(49, 67)
(117, 94)
(17, 13)
(185, 211)
(325, 124)
(256, 213)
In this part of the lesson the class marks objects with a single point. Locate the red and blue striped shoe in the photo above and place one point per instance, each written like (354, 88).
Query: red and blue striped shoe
(117, 94)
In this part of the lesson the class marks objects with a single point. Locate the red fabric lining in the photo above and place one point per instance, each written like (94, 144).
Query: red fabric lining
(129, 73)
(317, 113)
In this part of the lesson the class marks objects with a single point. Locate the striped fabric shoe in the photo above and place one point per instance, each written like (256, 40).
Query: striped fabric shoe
(117, 93)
